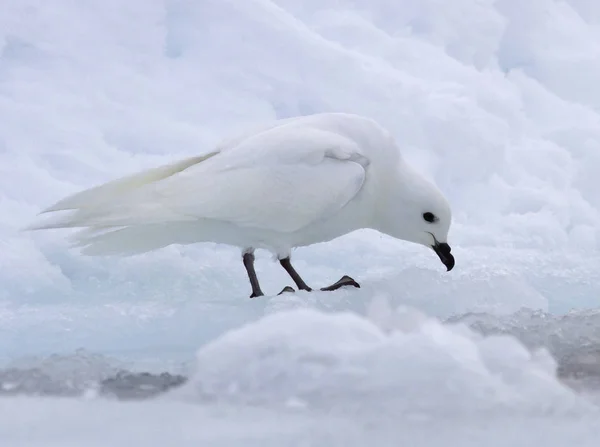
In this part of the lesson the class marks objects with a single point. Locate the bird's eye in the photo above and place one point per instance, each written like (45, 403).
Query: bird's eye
(429, 217)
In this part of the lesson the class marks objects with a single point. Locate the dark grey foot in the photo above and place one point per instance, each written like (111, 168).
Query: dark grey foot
(287, 289)
(257, 294)
(343, 282)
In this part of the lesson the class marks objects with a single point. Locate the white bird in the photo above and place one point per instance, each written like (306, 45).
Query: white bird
(296, 182)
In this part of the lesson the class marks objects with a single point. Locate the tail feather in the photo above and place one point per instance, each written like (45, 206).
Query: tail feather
(127, 214)
(117, 203)
(127, 241)
(106, 192)
(120, 241)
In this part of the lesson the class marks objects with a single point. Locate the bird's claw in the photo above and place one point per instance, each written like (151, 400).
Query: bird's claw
(287, 289)
(342, 282)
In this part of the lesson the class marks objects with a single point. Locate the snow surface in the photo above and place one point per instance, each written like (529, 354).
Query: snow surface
(496, 100)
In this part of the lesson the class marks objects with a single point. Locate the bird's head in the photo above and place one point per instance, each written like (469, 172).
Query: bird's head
(416, 211)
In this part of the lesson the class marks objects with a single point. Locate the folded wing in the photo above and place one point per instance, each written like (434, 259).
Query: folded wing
(281, 180)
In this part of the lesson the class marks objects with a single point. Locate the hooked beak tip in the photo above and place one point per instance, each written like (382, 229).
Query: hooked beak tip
(443, 252)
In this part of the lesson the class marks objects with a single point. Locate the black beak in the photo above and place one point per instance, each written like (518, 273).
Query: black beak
(443, 251)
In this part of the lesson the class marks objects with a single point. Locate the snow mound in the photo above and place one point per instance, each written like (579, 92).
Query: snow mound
(572, 339)
(407, 361)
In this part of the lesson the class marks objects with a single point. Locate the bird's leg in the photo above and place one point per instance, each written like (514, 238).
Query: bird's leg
(287, 265)
(248, 259)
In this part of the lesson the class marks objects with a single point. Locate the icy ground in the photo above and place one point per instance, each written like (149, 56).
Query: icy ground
(308, 377)
(496, 100)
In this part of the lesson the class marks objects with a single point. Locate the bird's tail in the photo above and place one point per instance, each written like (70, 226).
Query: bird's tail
(119, 203)
(133, 240)
(119, 213)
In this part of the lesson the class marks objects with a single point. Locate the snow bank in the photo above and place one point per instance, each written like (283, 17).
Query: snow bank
(407, 364)
(494, 100)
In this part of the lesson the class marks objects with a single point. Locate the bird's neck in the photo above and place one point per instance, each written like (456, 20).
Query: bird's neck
(391, 203)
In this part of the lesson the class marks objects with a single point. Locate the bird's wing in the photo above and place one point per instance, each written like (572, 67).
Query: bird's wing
(280, 180)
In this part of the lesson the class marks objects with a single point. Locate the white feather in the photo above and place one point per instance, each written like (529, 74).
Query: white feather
(294, 182)
(107, 192)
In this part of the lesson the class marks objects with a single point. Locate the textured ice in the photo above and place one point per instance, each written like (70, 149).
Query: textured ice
(496, 100)
(572, 339)
(311, 377)
(345, 362)
(305, 377)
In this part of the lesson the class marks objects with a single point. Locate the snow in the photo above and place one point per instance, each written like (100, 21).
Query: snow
(496, 101)
(74, 423)
(343, 360)
(307, 377)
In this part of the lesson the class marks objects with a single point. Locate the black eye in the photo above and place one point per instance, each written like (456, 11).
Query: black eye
(429, 217)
